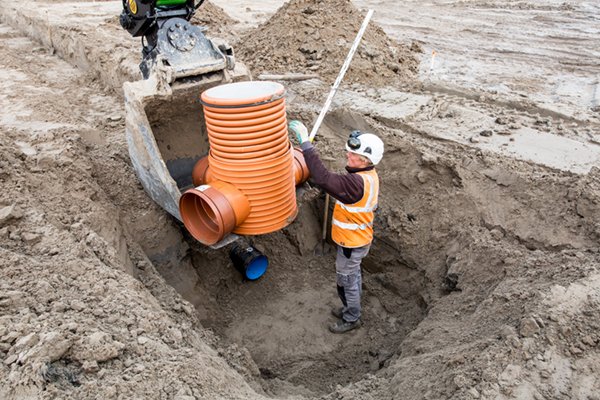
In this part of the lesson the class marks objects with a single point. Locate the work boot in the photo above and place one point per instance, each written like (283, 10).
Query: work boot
(337, 312)
(343, 326)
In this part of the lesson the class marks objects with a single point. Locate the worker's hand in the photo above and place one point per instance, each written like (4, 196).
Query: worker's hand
(300, 131)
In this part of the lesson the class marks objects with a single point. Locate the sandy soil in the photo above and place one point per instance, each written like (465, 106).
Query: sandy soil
(483, 281)
(319, 41)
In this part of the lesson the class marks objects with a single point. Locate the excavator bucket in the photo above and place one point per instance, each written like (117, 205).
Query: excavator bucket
(166, 131)
(165, 126)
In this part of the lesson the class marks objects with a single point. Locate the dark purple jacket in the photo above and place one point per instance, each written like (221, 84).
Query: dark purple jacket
(348, 189)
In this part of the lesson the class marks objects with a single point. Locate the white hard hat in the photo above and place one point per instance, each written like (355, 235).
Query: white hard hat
(365, 144)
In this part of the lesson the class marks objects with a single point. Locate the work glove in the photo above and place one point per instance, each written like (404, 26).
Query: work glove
(300, 131)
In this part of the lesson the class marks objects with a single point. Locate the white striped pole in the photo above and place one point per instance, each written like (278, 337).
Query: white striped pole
(340, 75)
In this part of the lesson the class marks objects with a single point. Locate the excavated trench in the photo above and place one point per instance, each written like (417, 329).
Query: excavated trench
(449, 218)
(282, 318)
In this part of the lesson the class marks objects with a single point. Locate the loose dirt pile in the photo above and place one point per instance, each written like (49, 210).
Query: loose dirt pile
(213, 17)
(315, 36)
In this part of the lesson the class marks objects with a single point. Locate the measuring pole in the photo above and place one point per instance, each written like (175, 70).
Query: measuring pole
(340, 75)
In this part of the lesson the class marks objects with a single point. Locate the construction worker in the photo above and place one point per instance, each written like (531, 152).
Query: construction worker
(352, 221)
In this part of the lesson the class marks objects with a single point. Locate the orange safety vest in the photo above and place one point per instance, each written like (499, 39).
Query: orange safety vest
(352, 224)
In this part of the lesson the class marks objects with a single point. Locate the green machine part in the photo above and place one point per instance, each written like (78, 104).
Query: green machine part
(160, 3)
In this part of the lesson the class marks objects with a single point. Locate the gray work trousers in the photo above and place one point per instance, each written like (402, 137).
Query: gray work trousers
(349, 279)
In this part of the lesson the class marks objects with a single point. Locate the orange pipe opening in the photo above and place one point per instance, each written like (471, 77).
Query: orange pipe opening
(301, 173)
(211, 212)
(246, 184)
(201, 174)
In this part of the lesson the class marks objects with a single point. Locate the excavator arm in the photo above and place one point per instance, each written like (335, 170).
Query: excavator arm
(171, 41)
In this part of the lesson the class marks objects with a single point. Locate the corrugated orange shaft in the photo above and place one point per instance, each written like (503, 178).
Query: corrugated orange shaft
(250, 150)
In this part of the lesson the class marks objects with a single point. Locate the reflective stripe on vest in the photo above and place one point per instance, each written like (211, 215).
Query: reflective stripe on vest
(351, 227)
(353, 223)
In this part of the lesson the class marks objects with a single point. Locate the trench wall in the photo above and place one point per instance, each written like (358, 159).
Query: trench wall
(87, 35)
(83, 34)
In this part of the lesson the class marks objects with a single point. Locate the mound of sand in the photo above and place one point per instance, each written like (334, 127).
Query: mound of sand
(310, 36)
(213, 17)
